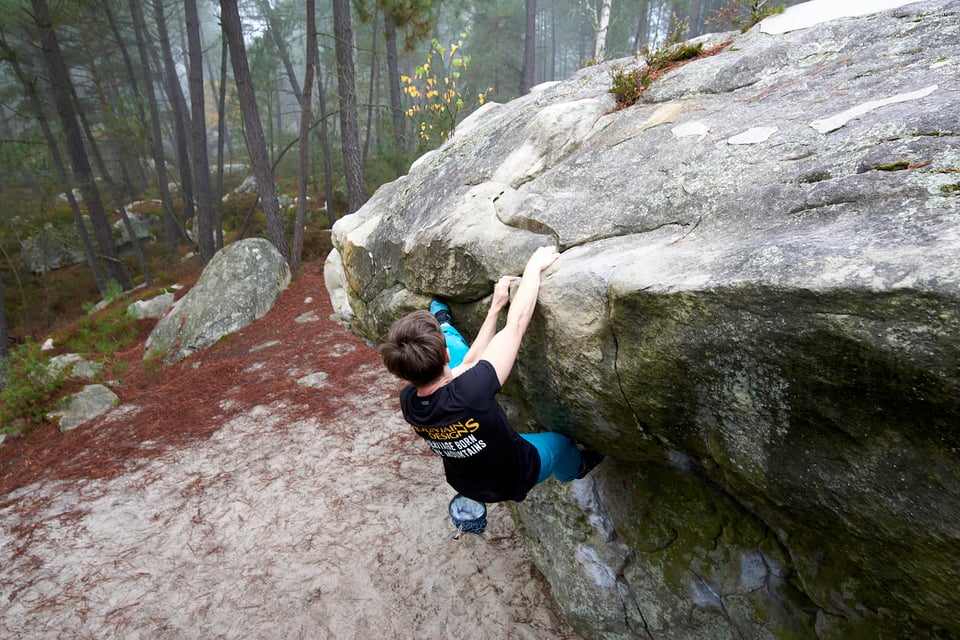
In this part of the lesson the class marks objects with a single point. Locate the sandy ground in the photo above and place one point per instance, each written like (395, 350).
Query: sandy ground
(256, 507)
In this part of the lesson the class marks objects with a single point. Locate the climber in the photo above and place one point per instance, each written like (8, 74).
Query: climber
(455, 410)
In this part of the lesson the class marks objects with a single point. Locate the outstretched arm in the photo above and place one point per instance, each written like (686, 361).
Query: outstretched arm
(503, 347)
(501, 296)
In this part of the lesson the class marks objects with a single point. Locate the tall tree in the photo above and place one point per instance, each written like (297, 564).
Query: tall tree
(530, 47)
(198, 114)
(29, 84)
(349, 124)
(373, 101)
(603, 24)
(221, 141)
(62, 90)
(275, 32)
(324, 140)
(641, 38)
(413, 19)
(393, 80)
(4, 343)
(178, 108)
(132, 156)
(301, 216)
(101, 165)
(499, 30)
(253, 128)
(171, 227)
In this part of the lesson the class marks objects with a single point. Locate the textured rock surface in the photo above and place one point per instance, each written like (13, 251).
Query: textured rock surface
(755, 315)
(240, 284)
(90, 402)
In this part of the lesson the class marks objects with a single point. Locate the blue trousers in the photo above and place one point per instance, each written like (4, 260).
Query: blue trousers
(455, 343)
(559, 455)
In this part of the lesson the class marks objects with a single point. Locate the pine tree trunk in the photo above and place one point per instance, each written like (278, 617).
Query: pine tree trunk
(374, 96)
(393, 78)
(105, 175)
(4, 343)
(221, 141)
(325, 141)
(82, 173)
(178, 107)
(273, 29)
(530, 47)
(301, 217)
(133, 153)
(253, 128)
(171, 227)
(641, 39)
(29, 86)
(201, 163)
(349, 125)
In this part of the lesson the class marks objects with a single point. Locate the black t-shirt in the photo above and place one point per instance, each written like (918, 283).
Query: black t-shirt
(483, 456)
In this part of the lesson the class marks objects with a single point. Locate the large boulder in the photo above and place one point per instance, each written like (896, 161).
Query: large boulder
(58, 246)
(239, 285)
(755, 315)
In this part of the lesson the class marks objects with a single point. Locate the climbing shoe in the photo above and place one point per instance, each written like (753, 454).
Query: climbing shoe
(441, 312)
(591, 459)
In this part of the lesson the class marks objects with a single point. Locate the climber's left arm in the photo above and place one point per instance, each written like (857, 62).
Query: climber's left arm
(501, 296)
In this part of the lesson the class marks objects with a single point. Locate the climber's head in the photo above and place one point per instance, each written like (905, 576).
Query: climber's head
(415, 349)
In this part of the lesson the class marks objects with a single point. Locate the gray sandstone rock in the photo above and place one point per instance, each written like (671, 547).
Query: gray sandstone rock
(756, 315)
(91, 402)
(155, 307)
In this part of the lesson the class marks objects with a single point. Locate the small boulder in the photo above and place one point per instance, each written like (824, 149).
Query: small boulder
(152, 308)
(91, 402)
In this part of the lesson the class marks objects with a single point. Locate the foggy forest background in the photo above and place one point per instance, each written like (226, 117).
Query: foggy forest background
(111, 109)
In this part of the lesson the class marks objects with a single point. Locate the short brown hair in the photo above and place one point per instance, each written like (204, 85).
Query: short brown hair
(415, 348)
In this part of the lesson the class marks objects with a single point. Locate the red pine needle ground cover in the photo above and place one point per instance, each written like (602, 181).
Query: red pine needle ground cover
(184, 402)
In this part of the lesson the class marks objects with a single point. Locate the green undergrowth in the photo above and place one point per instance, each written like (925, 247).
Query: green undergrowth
(33, 386)
(30, 390)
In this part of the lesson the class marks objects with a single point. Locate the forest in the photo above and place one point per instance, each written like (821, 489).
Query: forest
(140, 135)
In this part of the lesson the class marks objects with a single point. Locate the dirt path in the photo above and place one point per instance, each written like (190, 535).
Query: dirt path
(225, 499)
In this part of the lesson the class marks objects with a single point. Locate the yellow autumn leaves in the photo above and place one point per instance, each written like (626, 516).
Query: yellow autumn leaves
(433, 92)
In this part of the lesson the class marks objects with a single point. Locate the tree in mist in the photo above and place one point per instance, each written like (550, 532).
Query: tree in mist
(62, 92)
(221, 91)
(201, 164)
(178, 108)
(530, 46)
(7, 53)
(305, 100)
(347, 88)
(324, 139)
(4, 344)
(171, 227)
(411, 20)
(603, 25)
(393, 80)
(497, 32)
(233, 32)
(131, 153)
(277, 36)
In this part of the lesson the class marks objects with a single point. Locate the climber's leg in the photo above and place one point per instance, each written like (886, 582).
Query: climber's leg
(455, 342)
(559, 455)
